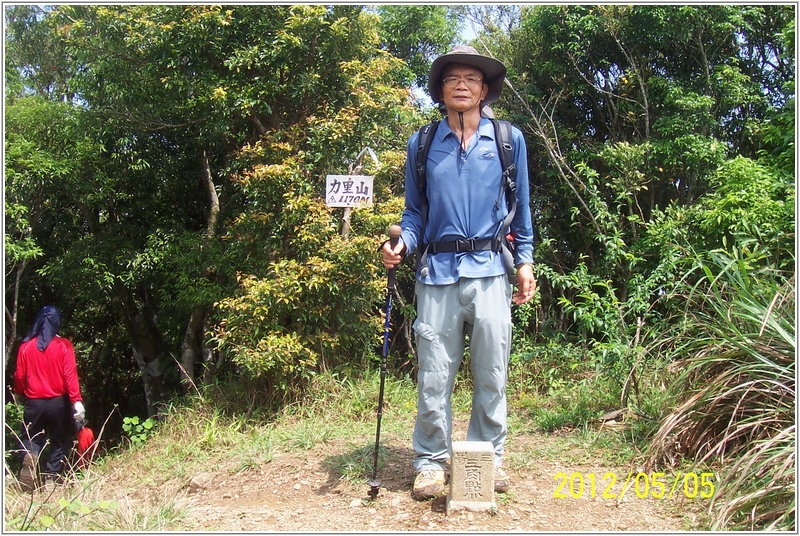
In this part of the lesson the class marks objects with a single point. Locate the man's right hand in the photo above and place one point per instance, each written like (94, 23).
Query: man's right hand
(393, 257)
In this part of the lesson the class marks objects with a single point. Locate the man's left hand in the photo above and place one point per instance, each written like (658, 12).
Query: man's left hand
(526, 285)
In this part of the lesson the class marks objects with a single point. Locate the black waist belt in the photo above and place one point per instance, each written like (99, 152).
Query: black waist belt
(463, 245)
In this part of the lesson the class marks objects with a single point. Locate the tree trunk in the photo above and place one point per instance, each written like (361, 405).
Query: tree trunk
(145, 343)
(152, 379)
(12, 314)
(213, 360)
(213, 201)
(193, 345)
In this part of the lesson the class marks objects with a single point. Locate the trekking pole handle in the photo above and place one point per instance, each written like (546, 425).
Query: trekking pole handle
(394, 238)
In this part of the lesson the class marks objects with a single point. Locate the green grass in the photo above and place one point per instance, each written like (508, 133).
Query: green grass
(335, 408)
(338, 415)
(256, 449)
(571, 405)
(84, 505)
(527, 457)
(356, 464)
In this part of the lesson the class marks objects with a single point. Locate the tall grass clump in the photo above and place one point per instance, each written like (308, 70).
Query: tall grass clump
(734, 397)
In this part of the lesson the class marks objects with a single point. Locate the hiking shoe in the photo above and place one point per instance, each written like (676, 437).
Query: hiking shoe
(428, 484)
(501, 482)
(27, 475)
(52, 480)
(50, 483)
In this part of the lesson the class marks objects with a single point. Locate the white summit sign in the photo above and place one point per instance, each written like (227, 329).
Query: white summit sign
(348, 190)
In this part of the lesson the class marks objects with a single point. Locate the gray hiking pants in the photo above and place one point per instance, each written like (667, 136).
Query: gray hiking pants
(481, 309)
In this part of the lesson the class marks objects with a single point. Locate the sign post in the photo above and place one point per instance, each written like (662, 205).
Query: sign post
(350, 190)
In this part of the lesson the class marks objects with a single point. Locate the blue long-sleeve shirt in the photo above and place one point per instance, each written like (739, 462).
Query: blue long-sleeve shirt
(466, 199)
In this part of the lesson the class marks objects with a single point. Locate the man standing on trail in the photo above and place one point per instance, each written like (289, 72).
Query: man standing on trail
(462, 287)
(47, 376)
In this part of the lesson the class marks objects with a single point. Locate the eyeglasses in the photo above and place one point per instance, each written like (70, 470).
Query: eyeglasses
(451, 82)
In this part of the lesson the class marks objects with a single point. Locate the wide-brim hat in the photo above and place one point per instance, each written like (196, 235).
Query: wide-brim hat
(494, 72)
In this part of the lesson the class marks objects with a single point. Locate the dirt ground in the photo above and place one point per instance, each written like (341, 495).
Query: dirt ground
(296, 493)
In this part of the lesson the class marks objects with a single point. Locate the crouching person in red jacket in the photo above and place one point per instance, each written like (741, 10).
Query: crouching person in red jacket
(47, 376)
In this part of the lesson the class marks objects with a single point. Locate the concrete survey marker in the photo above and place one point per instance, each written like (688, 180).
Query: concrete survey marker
(471, 477)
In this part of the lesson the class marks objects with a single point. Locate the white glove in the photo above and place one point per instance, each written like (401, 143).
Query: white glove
(80, 411)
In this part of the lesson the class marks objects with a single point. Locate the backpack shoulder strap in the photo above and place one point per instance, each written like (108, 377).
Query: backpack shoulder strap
(502, 134)
(505, 147)
(424, 141)
(423, 148)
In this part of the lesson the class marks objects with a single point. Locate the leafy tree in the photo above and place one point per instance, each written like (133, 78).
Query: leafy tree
(43, 153)
(497, 21)
(27, 167)
(164, 137)
(34, 54)
(419, 33)
(312, 289)
(662, 134)
(632, 111)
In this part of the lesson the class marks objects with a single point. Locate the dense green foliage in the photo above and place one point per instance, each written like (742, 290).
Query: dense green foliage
(187, 160)
(643, 120)
(165, 168)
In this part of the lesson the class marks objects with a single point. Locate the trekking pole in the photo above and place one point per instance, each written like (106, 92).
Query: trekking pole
(375, 484)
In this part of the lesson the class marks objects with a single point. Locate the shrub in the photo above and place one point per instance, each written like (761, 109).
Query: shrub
(306, 316)
(734, 400)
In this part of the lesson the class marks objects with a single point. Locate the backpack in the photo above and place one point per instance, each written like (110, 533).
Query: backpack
(501, 242)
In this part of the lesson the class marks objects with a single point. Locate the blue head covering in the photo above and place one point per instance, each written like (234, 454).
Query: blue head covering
(45, 326)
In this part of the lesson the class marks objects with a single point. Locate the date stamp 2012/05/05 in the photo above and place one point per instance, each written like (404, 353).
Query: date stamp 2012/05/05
(656, 485)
